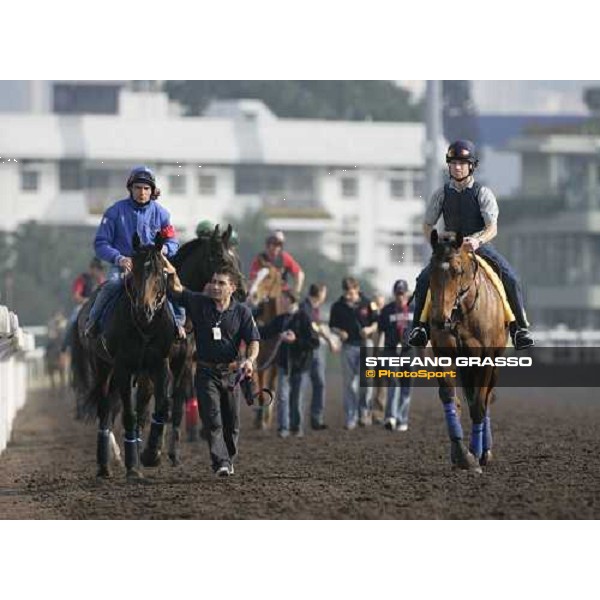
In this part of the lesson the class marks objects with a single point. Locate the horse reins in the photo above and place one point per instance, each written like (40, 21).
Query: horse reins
(451, 323)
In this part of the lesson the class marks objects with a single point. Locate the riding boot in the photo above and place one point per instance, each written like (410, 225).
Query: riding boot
(151, 454)
(419, 334)
(103, 452)
(519, 328)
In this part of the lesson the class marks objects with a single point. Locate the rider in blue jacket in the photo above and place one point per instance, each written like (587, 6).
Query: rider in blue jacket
(138, 213)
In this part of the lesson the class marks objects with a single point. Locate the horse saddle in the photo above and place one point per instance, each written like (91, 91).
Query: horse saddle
(509, 316)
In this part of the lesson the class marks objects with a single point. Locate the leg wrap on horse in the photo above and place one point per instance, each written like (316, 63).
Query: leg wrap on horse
(487, 434)
(103, 447)
(132, 460)
(156, 435)
(477, 439)
(453, 421)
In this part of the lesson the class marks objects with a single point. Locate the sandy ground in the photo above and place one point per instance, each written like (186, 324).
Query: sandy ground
(547, 465)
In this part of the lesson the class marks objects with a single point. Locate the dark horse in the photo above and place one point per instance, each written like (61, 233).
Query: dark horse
(467, 319)
(137, 341)
(196, 261)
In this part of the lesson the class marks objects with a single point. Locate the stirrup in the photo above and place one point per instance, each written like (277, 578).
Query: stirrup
(418, 337)
(522, 339)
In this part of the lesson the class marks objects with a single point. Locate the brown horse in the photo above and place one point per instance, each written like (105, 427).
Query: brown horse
(466, 319)
(265, 293)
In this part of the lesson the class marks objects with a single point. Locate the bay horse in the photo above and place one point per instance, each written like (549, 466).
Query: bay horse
(137, 340)
(466, 319)
(265, 293)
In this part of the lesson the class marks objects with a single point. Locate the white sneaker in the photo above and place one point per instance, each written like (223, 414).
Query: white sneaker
(390, 424)
(231, 470)
(402, 427)
(222, 471)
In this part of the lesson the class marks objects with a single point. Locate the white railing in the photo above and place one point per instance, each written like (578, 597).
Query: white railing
(17, 351)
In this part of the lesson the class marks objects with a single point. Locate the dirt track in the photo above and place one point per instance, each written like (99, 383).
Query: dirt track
(547, 449)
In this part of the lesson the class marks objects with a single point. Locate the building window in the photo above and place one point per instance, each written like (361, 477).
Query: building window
(177, 184)
(349, 187)
(97, 179)
(70, 175)
(349, 253)
(207, 185)
(83, 98)
(30, 181)
(397, 188)
(247, 180)
(418, 187)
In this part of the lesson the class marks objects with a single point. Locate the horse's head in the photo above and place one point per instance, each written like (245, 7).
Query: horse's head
(148, 281)
(198, 259)
(267, 285)
(448, 283)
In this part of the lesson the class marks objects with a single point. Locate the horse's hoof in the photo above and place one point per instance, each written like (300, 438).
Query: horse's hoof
(150, 459)
(134, 475)
(175, 460)
(103, 472)
(486, 458)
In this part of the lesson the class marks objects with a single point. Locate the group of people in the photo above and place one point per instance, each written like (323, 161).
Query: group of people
(222, 326)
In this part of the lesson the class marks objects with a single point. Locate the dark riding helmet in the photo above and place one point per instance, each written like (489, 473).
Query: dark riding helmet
(141, 174)
(463, 150)
(276, 237)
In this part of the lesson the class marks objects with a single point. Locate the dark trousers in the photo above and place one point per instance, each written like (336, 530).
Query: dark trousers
(220, 413)
(509, 277)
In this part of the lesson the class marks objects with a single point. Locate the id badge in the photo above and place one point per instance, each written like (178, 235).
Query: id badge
(216, 333)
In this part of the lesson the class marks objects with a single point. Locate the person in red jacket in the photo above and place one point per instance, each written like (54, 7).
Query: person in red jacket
(277, 256)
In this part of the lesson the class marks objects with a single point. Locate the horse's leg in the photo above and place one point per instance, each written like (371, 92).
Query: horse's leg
(486, 455)
(272, 385)
(102, 400)
(459, 455)
(153, 450)
(123, 381)
(180, 398)
(478, 404)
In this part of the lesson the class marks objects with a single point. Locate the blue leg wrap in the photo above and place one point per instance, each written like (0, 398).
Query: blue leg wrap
(487, 434)
(452, 421)
(477, 439)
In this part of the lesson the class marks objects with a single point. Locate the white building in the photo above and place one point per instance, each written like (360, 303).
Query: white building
(351, 189)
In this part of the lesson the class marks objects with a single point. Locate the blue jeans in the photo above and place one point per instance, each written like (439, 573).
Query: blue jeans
(509, 277)
(398, 390)
(290, 400)
(317, 378)
(112, 287)
(355, 400)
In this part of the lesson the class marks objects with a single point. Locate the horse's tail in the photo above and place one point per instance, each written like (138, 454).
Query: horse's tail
(81, 375)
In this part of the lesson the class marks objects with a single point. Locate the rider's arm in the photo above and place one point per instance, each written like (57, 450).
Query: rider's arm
(105, 236)
(433, 210)
(295, 269)
(489, 211)
(168, 232)
(487, 234)
(300, 281)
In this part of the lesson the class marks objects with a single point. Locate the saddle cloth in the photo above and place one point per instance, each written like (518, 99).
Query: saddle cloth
(509, 316)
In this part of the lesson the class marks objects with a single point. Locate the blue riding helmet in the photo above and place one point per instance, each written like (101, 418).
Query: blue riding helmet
(142, 174)
(463, 150)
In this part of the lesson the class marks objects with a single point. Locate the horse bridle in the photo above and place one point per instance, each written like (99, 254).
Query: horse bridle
(450, 323)
(134, 296)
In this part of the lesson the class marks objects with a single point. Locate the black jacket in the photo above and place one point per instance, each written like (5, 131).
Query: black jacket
(297, 356)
